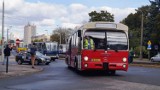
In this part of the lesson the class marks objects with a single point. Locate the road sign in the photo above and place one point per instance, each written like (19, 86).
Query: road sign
(149, 47)
(149, 42)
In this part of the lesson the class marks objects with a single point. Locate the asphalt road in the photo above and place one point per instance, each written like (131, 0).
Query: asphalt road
(57, 76)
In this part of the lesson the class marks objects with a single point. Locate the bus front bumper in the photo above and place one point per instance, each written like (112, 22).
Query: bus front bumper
(104, 66)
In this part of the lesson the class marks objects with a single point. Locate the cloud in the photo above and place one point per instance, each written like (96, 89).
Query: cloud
(45, 22)
(70, 25)
(48, 15)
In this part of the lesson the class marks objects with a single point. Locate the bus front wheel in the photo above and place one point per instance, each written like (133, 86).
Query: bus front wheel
(112, 72)
(76, 65)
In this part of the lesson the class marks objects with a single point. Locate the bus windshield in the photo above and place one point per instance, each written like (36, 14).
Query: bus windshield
(110, 39)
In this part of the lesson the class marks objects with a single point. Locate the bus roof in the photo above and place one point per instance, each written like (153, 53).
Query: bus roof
(102, 25)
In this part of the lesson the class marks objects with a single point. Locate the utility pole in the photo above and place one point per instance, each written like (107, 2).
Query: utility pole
(60, 37)
(7, 35)
(141, 41)
(8, 32)
(141, 54)
(2, 56)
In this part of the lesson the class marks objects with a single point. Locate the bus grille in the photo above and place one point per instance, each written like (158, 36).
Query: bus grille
(105, 66)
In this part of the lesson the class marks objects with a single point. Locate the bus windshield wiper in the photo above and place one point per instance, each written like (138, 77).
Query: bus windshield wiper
(116, 48)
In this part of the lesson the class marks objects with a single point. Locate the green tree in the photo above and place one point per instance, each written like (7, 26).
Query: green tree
(154, 23)
(133, 21)
(101, 16)
(61, 33)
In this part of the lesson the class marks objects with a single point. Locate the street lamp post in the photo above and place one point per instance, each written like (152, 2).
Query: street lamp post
(59, 29)
(60, 38)
(141, 41)
(2, 46)
(8, 32)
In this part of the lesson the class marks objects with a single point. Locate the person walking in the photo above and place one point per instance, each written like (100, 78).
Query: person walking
(33, 50)
(88, 43)
(7, 53)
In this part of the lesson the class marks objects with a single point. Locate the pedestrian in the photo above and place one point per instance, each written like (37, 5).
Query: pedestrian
(7, 53)
(88, 43)
(33, 50)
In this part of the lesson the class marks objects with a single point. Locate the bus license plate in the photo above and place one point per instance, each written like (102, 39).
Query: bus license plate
(96, 60)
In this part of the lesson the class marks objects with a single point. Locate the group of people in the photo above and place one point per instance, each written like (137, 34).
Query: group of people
(8, 49)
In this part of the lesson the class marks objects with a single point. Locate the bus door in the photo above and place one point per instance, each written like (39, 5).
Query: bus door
(69, 52)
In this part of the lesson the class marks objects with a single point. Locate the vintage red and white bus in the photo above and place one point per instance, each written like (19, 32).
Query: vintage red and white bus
(111, 55)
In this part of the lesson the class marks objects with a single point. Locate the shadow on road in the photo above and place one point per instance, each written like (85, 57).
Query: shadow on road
(94, 73)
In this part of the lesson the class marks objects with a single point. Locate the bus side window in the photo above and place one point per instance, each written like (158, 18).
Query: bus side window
(70, 45)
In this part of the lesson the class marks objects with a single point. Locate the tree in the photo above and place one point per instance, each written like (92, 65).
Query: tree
(133, 21)
(151, 25)
(61, 34)
(101, 16)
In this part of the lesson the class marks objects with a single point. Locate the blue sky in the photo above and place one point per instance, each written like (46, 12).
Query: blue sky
(50, 14)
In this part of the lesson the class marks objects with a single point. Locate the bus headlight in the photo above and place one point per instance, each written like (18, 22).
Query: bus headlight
(124, 66)
(85, 58)
(85, 65)
(124, 59)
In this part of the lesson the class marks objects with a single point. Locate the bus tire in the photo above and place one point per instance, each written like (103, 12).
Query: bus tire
(69, 67)
(67, 61)
(47, 63)
(76, 64)
(112, 72)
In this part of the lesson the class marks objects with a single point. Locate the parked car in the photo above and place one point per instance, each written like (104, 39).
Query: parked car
(156, 58)
(25, 57)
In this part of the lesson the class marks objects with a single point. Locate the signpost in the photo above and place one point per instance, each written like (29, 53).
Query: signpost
(149, 48)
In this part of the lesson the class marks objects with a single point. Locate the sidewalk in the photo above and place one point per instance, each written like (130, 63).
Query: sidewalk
(145, 63)
(16, 70)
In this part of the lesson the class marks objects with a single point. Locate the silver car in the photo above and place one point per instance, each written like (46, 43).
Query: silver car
(156, 58)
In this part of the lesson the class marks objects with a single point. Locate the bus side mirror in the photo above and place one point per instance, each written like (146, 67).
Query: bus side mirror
(79, 33)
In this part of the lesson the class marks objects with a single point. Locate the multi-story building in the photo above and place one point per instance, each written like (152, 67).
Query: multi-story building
(29, 31)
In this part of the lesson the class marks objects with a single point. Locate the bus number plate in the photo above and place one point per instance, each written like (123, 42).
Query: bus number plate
(95, 60)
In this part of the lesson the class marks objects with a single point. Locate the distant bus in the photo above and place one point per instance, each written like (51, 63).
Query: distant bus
(48, 49)
(111, 56)
(62, 48)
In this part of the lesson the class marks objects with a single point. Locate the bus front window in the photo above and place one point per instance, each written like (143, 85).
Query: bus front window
(117, 40)
(114, 40)
(98, 38)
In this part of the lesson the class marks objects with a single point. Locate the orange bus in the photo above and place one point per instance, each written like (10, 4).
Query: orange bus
(112, 55)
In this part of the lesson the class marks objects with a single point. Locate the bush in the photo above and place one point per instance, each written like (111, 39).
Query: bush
(144, 50)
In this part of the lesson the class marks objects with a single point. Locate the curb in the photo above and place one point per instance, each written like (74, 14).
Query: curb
(146, 64)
